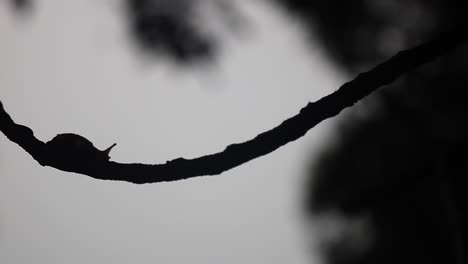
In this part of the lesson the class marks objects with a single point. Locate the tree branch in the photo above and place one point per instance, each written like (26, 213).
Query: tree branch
(68, 157)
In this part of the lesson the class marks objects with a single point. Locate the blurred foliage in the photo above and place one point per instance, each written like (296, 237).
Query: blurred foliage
(21, 5)
(174, 29)
(403, 163)
(168, 27)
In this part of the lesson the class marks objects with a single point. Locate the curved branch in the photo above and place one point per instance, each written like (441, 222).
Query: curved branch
(65, 157)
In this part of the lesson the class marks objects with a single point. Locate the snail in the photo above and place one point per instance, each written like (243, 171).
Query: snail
(69, 149)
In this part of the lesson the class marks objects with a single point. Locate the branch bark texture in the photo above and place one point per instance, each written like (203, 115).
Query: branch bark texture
(70, 155)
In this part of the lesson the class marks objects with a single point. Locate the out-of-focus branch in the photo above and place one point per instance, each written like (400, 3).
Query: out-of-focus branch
(78, 155)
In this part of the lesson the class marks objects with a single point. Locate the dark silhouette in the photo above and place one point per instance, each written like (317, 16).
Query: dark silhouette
(68, 149)
(237, 154)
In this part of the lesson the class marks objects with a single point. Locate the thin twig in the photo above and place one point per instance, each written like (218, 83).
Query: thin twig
(235, 154)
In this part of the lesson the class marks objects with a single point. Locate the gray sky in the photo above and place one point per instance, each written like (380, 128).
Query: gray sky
(70, 68)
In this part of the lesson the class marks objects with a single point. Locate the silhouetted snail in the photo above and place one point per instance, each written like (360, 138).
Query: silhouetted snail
(71, 146)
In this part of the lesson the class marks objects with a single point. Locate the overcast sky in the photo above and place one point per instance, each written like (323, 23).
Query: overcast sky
(71, 68)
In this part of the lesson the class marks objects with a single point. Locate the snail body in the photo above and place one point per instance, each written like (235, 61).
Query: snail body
(71, 148)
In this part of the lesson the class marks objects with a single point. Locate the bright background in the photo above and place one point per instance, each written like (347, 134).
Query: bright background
(71, 68)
